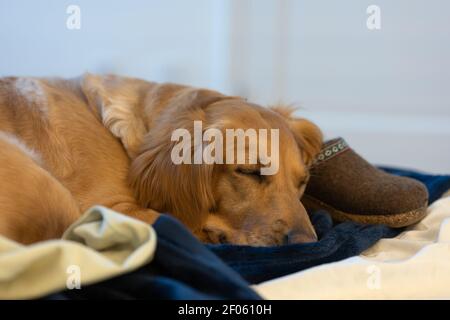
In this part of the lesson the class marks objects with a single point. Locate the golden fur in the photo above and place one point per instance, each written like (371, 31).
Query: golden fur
(66, 145)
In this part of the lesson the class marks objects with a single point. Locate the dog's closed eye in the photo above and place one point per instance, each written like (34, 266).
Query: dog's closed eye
(254, 173)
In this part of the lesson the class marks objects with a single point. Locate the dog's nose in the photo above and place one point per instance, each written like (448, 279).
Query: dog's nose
(303, 236)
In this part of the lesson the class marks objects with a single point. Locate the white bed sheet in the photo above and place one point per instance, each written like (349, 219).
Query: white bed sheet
(414, 265)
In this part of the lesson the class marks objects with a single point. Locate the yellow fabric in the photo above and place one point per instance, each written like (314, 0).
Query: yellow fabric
(100, 245)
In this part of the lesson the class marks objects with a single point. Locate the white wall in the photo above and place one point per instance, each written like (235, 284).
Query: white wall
(161, 40)
(386, 91)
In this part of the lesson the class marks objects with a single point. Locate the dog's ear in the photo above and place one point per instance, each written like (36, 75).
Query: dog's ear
(118, 102)
(184, 190)
(308, 136)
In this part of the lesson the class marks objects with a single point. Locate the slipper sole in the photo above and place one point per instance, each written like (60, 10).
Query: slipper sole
(395, 220)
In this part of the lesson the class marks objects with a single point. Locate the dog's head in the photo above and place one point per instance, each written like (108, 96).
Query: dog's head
(255, 201)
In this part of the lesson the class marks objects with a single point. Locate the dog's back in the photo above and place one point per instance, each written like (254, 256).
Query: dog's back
(55, 155)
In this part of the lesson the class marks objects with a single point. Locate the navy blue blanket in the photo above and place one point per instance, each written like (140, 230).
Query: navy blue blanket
(183, 268)
(335, 243)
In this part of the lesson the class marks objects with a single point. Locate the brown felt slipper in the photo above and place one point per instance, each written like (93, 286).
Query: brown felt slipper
(350, 188)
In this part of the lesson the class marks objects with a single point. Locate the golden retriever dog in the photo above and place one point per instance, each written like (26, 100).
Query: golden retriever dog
(69, 144)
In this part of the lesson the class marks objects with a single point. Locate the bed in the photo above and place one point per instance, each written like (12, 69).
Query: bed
(123, 258)
(413, 265)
